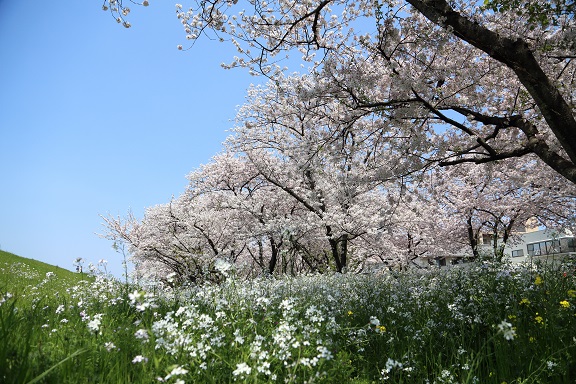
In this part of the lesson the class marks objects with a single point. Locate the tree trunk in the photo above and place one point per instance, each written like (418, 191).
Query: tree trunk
(273, 257)
(472, 239)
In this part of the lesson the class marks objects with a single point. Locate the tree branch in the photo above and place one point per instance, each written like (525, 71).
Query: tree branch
(516, 55)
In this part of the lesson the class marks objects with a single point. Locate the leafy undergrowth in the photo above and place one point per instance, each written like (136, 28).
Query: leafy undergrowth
(483, 324)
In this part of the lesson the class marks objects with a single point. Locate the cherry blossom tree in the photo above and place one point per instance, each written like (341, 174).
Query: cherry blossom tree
(427, 230)
(333, 167)
(186, 237)
(309, 183)
(228, 215)
(500, 83)
(338, 164)
(492, 202)
(538, 57)
(268, 223)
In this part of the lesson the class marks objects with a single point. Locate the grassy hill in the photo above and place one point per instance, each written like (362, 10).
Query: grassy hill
(19, 274)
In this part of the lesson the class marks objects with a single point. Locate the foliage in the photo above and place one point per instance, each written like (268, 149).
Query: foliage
(540, 12)
(487, 323)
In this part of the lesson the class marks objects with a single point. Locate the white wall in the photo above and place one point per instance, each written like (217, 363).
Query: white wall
(532, 237)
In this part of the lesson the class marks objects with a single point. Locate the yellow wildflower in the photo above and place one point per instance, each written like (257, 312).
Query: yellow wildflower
(350, 313)
(525, 301)
(565, 304)
(381, 328)
(538, 280)
(539, 319)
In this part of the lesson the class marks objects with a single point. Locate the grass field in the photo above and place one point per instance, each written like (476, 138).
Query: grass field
(28, 275)
(491, 323)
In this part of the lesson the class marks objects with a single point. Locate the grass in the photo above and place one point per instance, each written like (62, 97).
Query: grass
(22, 274)
(492, 323)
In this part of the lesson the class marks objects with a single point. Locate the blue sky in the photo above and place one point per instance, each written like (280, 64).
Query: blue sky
(98, 119)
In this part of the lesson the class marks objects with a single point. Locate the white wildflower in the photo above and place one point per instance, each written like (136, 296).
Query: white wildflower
(176, 371)
(109, 346)
(139, 359)
(241, 369)
(142, 306)
(446, 374)
(391, 364)
(94, 324)
(237, 337)
(324, 353)
(135, 296)
(142, 334)
(170, 277)
(220, 265)
(507, 330)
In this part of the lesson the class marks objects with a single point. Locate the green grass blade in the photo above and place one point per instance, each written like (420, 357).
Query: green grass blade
(43, 374)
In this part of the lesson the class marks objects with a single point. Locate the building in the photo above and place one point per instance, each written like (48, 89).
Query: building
(542, 244)
(531, 245)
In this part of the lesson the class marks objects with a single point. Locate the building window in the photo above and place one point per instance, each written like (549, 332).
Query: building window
(550, 247)
(518, 253)
(567, 244)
